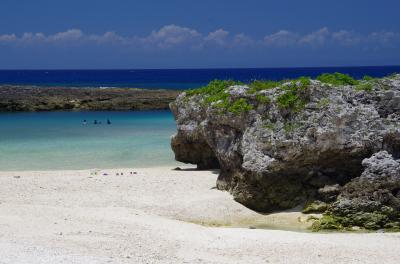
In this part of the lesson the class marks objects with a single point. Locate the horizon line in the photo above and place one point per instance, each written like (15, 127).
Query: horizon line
(200, 68)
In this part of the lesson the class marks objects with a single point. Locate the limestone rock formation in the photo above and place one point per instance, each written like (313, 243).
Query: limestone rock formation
(373, 199)
(284, 144)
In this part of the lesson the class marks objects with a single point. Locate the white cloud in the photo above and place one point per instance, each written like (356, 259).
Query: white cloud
(8, 38)
(316, 38)
(30, 37)
(219, 37)
(281, 38)
(346, 37)
(242, 40)
(384, 37)
(108, 37)
(173, 36)
(72, 34)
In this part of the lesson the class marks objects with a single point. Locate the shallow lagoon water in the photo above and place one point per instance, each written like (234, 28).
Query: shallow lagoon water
(60, 140)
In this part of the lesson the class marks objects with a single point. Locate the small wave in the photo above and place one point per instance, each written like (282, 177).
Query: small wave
(107, 87)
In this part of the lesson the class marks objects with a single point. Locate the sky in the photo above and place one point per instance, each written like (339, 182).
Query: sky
(121, 34)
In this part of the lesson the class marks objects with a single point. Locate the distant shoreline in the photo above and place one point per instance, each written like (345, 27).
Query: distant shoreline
(32, 98)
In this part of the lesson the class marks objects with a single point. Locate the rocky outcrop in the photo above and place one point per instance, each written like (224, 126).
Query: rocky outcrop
(373, 199)
(32, 98)
(292, 143)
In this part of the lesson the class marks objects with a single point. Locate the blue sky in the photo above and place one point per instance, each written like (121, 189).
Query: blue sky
(197, 34)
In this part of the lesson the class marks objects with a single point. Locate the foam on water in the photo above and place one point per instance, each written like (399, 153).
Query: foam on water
(59, 140)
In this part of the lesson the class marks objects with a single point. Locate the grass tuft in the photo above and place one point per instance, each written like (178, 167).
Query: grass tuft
(337, 79)
(364, 86)
(257, 85)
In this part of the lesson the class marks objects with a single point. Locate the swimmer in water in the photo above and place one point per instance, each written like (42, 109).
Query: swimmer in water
(108, 122)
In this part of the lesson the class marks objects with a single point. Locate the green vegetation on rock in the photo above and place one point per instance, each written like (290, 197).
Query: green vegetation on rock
(315, 207)
(327, 222)
(366, 220)
(290, 98)
(214, 87)
(368, 78)
(364, 86)
(239, 106)
(337, 79)
(262, 99)
(257, 85)
(304, 81)
(216, 94)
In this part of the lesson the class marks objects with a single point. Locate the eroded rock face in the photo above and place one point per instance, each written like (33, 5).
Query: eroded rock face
(373, 199)
(276, 157)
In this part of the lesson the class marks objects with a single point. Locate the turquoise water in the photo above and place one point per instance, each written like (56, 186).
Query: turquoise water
(59, 140)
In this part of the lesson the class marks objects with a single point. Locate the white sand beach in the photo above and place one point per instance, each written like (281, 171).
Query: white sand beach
(159, 215)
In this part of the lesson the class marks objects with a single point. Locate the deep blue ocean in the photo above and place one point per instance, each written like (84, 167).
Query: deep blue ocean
(174, 78)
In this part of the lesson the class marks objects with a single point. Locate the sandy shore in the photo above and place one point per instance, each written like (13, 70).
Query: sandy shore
(158, 215)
